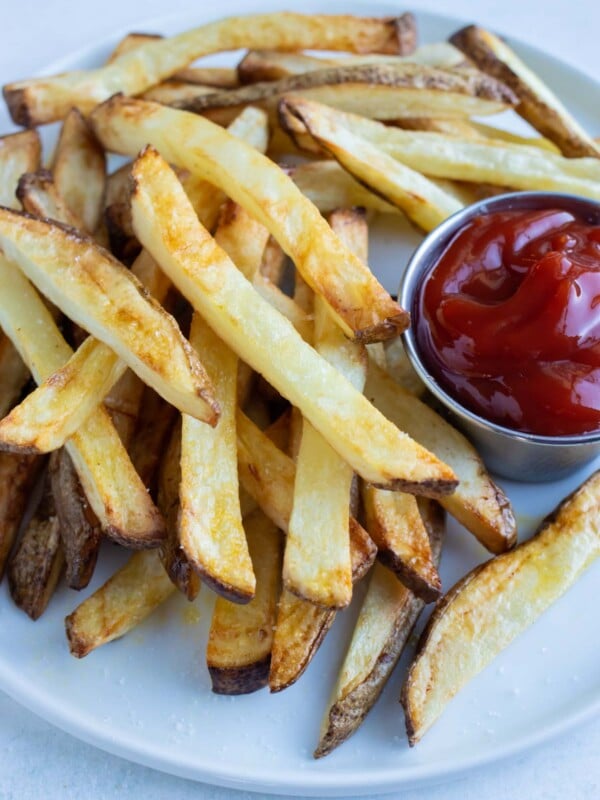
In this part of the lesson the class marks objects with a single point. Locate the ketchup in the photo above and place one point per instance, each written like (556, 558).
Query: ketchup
(508, 320)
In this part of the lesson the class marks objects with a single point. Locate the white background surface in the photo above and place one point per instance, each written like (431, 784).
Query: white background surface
(38, 760)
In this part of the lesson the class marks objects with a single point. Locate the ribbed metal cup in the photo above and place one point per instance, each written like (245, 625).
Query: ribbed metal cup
(512, 454)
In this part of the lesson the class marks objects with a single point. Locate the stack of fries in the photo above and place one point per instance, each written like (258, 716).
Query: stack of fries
(268, 445)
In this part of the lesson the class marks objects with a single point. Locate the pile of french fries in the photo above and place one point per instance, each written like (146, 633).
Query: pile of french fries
(220, 383)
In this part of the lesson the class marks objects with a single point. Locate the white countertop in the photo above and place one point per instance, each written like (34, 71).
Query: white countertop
(39, 760)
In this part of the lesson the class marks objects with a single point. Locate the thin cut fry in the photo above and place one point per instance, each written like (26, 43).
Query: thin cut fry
(364, 309)
(38, 100)
(328, 186)
(218, 291)
(125, 600)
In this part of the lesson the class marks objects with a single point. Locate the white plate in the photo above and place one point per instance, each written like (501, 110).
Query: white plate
(147, 697)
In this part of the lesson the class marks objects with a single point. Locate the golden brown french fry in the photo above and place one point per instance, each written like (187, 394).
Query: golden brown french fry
(18, 474)
(36, 564)
(238, 653)
(538, 104)
(478, 503)
(273, 262)
(386, 620)
(79, 169)
(125, 600)
(38, 100)
(110, 483)
(364, 309)
(210, 524)
(328, 186)
(80, 531)
(174, 558)
(496, 162)
(52, 413)
(98, 293)
(252, 127)
(378, 91)
(316, 563)
(219, 77)
(45, 419)
(302, 626)
(421, 200)
(500, 599)
(272, 65)
(207, 277)
(19, 153)
(393, 521)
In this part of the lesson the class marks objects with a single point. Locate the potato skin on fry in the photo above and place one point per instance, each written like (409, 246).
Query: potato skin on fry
(496, 602)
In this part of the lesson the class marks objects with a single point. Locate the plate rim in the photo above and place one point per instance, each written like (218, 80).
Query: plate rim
(388, 779)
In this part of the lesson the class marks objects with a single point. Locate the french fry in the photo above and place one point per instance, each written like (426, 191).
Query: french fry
(219, 77)
(495, 162)
(40, 197)
(500, 599)
(393, 521)
(123, 602)
(80, 531)
(38, 100)
(79, 169)
(153, 430)
(387, 618)
(61, 404)
(316, 564)
(538, 104)
(398, 366)
(173, 556)
(273, 262)
(218, 291)
(242, 237)
(378, 91)
(272, 65)
(98, 293)
(302, 626)
(478, 503)
(110, 483)
(328, 186)
(36, 563)
(364, 309)
(238, 653)
(420, 199)
(176, 93)
(19, 153)
(210, 524)
(18, 474)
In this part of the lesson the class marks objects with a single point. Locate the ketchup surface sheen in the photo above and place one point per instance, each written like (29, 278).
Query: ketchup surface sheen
(508, 320)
